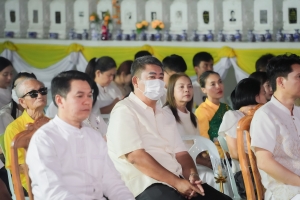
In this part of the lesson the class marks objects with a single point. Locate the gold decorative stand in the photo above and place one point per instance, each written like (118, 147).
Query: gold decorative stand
(221, 178)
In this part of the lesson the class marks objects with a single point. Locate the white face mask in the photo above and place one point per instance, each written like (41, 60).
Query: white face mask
(154, 89)
(14, 96)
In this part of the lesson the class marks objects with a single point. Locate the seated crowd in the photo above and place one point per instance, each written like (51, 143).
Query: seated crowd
(153, 106)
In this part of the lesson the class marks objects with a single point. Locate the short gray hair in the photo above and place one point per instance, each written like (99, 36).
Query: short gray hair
(20, 89)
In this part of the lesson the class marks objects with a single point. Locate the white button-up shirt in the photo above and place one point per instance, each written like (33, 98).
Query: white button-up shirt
(72, 164)
(134, 125)
(273, 128)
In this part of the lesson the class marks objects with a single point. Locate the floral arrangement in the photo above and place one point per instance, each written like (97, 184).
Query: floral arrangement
(143, 25)
(94, 17)
(106, 18)
(158, 25)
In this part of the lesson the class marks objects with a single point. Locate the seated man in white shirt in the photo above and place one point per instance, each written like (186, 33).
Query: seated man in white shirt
(202, 62)
(68, 160)
(275, 131)
(145, 146)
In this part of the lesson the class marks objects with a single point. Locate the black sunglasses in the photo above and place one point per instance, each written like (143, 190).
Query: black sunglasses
(35, 93)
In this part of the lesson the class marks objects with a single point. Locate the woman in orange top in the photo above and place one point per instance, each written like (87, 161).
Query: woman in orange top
(210, 113)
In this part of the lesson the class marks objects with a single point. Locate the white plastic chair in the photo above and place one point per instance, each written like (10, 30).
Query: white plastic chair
(224, 147)
(203, 144)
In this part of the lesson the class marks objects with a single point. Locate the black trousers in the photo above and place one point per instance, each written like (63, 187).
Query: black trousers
(160, 191)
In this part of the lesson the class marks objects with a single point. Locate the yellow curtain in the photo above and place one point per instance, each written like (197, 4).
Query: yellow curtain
(40, 55)
(43, 56)
(246, 58)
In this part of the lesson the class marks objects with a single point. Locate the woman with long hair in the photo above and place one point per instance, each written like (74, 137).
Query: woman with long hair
(210, 113)
(180, 104)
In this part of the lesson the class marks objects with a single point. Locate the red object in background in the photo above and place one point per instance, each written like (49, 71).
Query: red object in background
(104, 32)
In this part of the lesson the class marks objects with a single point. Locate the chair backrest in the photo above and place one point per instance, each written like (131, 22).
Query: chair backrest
(22, 140)
(202, 144)
(244, 127)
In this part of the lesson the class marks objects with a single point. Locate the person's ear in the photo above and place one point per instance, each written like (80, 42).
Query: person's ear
(135, 81)
(22, 103)
(97, 73)
(280, 82)
(204, 90)
(59, 100)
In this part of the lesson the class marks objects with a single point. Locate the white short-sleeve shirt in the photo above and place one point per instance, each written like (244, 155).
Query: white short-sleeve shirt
(107, 95)
(274, 128)
(229, 123)
(133, 125)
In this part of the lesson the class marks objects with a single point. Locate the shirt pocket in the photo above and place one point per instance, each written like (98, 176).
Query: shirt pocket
(96, 167)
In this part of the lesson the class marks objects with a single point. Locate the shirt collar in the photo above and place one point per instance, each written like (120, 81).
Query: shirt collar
(211, 104)
(102, 89)
(137, 100)
(280, 105)
(64, 125)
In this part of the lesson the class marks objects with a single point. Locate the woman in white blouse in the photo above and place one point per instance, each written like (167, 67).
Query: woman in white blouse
(180, 104)
(102, 70)
(6, 73)
(246, 95)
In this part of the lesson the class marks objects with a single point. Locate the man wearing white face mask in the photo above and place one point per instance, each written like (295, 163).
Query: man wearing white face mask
(145, 146)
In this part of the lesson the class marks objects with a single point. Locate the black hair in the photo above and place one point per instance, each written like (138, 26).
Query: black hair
(141, 54)
(174, 63)
(263, 61)
(61, 84)
(245, 93)
(281, 66)
(4, 63)
(103, 64)
(140, 63)
(95, 92)
(204, 76)
(14, 104)
(201, 56)
(262, 77)
(124, 67)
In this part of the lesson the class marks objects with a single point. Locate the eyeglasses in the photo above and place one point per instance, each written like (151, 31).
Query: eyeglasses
(35, 93)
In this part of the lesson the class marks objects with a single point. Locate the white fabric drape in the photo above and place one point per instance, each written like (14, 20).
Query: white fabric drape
(223, 66)
(74, 60)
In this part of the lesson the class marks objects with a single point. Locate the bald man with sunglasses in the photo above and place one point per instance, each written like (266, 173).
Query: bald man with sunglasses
(32, 96)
